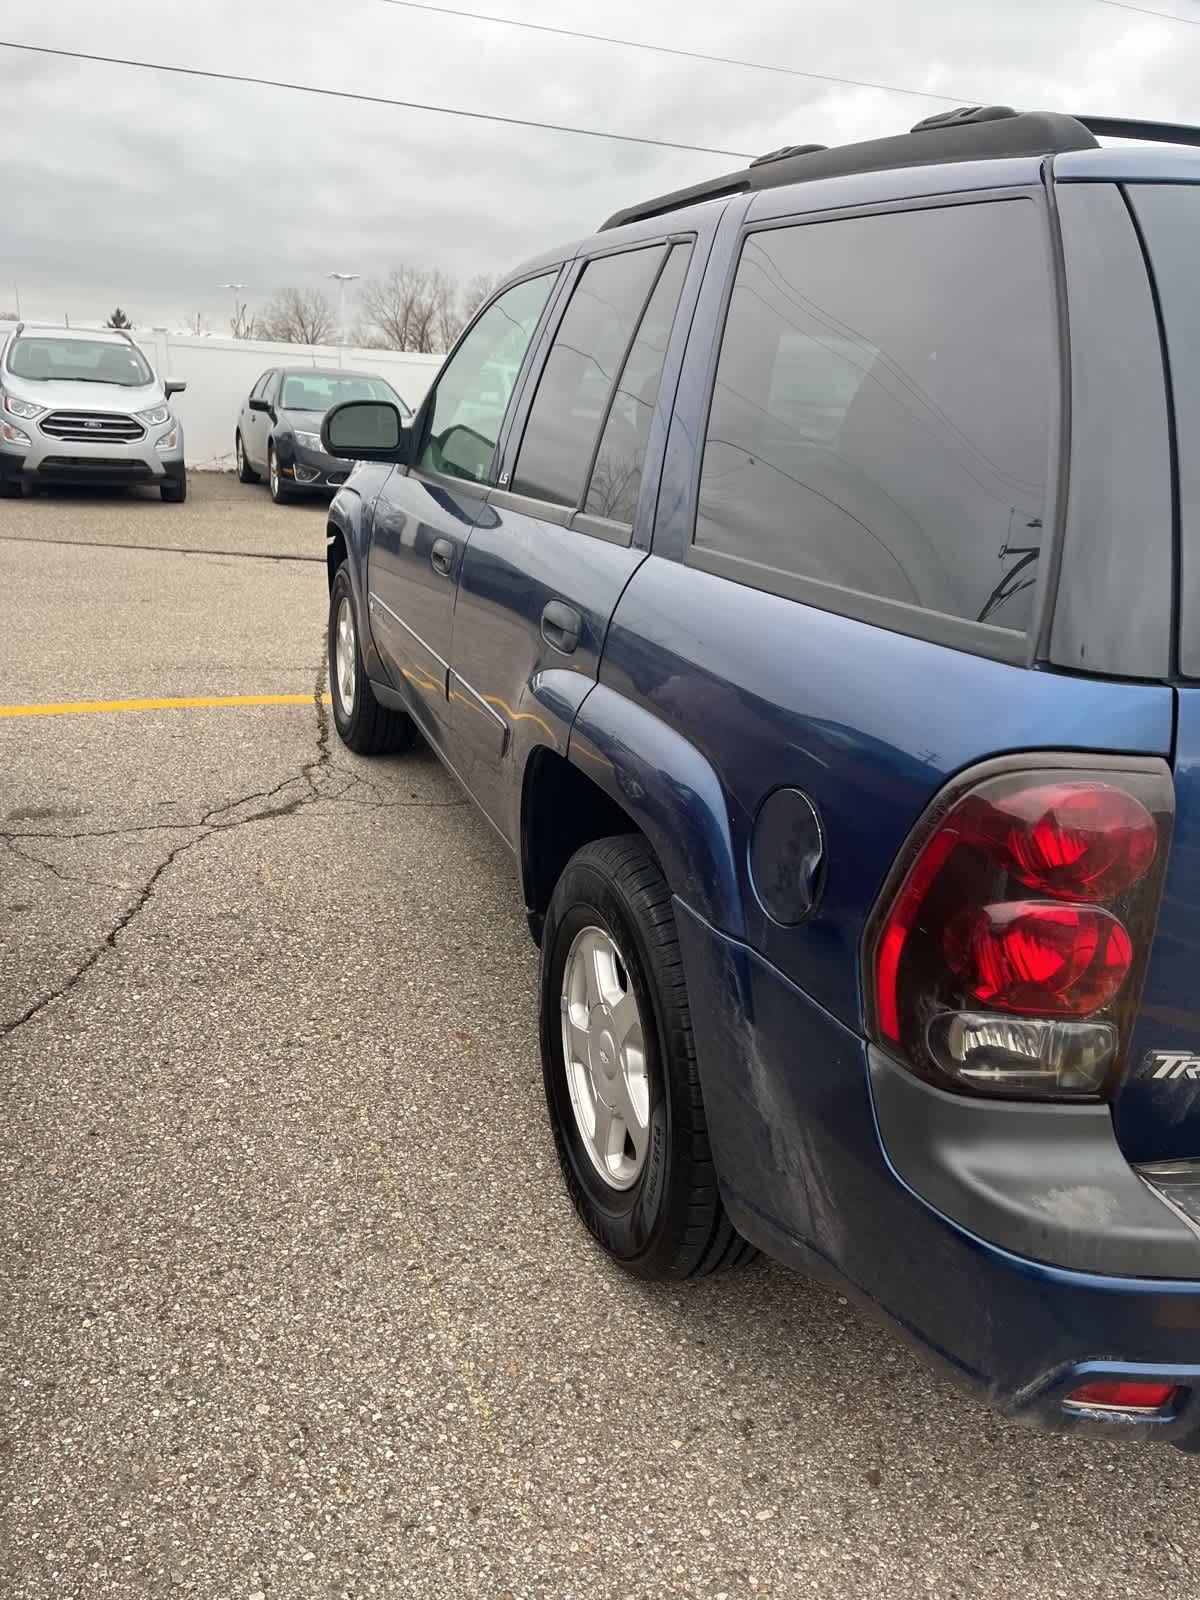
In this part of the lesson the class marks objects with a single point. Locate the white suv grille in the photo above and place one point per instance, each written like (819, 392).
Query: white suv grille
(97, 427)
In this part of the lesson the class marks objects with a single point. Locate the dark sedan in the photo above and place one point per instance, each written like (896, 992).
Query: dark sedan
(279, 427)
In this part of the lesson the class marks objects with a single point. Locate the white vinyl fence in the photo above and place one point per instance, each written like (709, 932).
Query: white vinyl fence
(220, 373)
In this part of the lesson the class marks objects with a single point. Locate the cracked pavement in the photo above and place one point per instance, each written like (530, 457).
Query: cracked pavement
(292, 1303)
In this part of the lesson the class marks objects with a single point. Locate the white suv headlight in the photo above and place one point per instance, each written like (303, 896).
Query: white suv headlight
(21, 408)
(310, 441)
(155, 415)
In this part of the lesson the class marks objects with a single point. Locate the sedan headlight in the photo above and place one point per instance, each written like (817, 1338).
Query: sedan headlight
(155, 415)
(310, 441)
(21, 408)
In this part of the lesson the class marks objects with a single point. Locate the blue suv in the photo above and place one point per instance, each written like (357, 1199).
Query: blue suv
(802, 574)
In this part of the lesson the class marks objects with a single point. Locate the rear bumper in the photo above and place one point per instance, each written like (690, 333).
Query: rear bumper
(806, 1176)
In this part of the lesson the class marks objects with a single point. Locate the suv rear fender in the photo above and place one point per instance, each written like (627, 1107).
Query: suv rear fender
(670, 792)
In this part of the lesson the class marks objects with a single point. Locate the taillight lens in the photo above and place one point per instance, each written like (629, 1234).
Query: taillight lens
(1041, 960)
(1078, 840)
(1009, 945)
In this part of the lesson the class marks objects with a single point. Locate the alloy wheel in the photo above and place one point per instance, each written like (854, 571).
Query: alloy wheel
(604, 1050)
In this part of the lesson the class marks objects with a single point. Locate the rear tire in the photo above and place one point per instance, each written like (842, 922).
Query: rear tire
(660, 1215)
(245, 472)
(363, 725)
(176, 490)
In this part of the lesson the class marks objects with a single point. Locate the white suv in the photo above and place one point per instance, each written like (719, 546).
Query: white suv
(84, 406)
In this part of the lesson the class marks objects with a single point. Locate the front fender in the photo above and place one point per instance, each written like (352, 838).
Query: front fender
(349, 523)
(670, 790)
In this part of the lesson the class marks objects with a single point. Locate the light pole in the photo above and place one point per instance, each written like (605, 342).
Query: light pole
(342, 279)
(237, 289)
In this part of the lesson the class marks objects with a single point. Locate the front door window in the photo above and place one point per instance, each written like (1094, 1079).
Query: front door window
(474, 389)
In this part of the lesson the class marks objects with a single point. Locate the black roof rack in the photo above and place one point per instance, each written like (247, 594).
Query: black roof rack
(968, 133)
(1129, 128)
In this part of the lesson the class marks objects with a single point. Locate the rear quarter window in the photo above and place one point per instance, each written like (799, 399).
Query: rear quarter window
(1169, 216)
(881, 417)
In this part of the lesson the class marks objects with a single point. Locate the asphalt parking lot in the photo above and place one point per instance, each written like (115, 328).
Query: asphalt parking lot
(294, 1302)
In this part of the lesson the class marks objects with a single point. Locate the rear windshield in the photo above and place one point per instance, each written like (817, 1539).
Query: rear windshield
(1169, 214)
(79, 360)
(314, 391)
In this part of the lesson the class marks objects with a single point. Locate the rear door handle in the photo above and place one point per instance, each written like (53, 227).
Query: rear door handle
(441, 557)
(561, 626)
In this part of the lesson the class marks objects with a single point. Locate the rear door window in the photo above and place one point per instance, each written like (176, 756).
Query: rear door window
(1169, 214)
(579, 376)
(881, 419)
(617, 474)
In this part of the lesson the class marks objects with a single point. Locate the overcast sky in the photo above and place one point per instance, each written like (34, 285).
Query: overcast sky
(148, 190)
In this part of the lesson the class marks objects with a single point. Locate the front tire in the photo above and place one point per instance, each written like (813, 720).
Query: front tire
(10, 489)
(245, 472)
(176, 490)
(274, 477)
(619, 1066)
(363, 725)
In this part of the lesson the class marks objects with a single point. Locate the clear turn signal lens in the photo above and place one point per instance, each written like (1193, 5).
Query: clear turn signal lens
(12, 434)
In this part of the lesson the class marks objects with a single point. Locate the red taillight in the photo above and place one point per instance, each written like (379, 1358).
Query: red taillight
(1031, 895)
(1038, 959)
(1121, 1396)
(1077, 841)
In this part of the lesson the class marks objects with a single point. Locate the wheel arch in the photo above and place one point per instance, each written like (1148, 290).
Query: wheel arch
(627, 771)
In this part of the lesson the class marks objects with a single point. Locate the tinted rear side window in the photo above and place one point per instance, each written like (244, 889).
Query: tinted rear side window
(580, 371)
(617, 474)
(882, 410)
(1169, 214)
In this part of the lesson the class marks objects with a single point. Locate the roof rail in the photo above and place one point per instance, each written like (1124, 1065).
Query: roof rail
(1130, 128)
(969, 133)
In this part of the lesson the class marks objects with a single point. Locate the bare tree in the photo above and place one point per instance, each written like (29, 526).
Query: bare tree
(480, 288)
(419, 309)
(241, 324)
(198, 325)
(447, 318)
(393, 308)
(298, 316)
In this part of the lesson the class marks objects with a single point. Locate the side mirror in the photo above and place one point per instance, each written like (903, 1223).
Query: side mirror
(260, 405)
(365, 430)
(173, 386)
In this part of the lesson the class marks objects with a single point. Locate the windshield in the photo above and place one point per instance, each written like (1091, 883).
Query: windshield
(79, 361)
(317, 391)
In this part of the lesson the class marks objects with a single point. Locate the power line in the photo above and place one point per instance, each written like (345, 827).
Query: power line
(669, 50)
(1167, 16)
(371, 99)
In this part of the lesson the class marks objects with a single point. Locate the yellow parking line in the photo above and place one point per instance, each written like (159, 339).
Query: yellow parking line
(71, 708)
